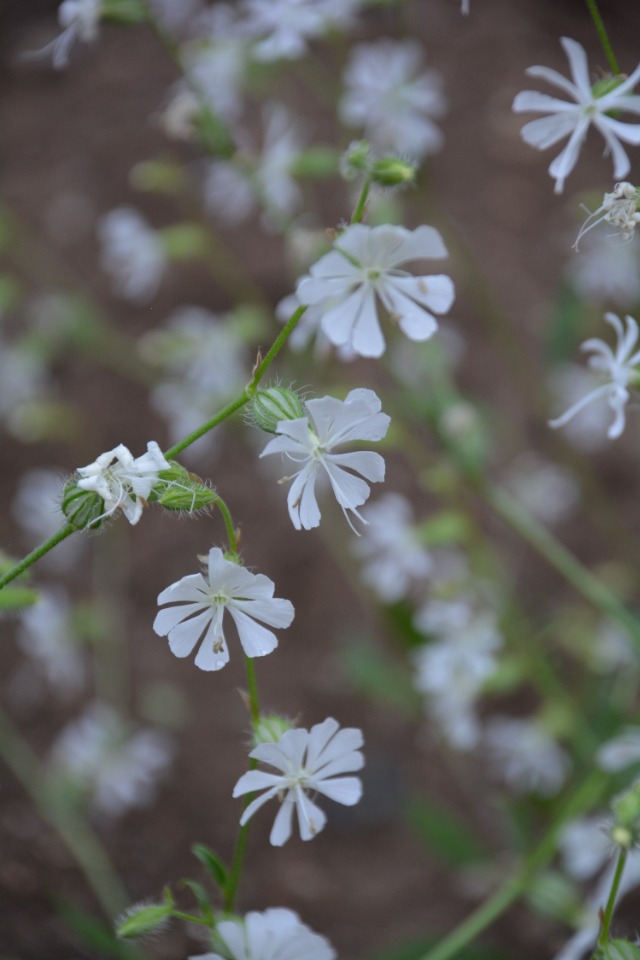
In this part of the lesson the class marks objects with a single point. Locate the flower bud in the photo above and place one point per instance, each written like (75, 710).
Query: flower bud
(142, 919)
(356, 160)
(184, 241)
(273, 405)
(177, 489)
(124, 12)
(393, 172)
(270, 728)
(617, 950)
(82, 508)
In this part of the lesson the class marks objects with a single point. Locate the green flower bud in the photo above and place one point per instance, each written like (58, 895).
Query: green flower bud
(82, 508)
(177, 489)
(270, 728)
(157, 176)
(607, 84)
(142, 919)
(618, 950)
(184, 241)
(273, 405)
(393, 172)
(124, 11)
(622, 837)
(356, 160)
(626, 809)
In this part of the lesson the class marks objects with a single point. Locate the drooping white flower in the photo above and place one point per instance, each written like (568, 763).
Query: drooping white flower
(124, 483)
(310, 441)
(234, 188)
(79, 20)
(619, 208)
(572, 118)
(46, 636)
(198, 606)
(618, 368)
(131, 253)
(394, 559)
(525, 755)
(275, 934)
(569, 383)
(281, 29)
(392, 99)
(364, 270)
(307, 761)
(117, 768)
(621, 752)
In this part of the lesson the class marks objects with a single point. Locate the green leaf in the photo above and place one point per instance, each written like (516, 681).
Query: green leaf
(444, 834)
(618, 950)
(202, 897)
(100, 939)
(13, 599)
(212, 864)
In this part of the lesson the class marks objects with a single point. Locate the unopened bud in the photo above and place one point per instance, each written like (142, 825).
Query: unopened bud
(270, 728)
(273, 405)
(393, 172)
(356, 160)
(82, 508)
(617, 950)
(177, 489)
(626, 809)
(142, 919)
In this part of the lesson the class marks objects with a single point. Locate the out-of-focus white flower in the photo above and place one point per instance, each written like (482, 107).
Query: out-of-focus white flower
(572, 118)
(23, 379)
(587, 431)
(364, 270)
(79, 20)
(198, 606)
(233, 188)
(276, 934)
(310, 441)
(619, 208)
(525, 755)
(175, 14)
(118, 769)
(606, 273)
(131, 253)
(393, 558)
(46, 636)
(281, 29)
(216, 74)
(124, 483)
(621, 752)
(454, 666)
(585, 847)
(613, 649)
(36, 507)
(392, 99)
(308, 761)
(548, 491)
(618, 368)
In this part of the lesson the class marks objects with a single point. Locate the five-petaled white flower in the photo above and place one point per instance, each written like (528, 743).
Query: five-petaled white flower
(572, 119)
(309, 441)
(199, 605)
(79, 20)
(276, 933)
(619, 367)
(309, 760)
(282, 28)
(124, 483)
(363, 270)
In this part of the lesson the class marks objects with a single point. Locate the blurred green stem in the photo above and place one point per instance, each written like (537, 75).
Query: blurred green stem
(607, 914)
(604, 37)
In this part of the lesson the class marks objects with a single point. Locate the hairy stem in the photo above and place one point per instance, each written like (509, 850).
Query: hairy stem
(607, 915)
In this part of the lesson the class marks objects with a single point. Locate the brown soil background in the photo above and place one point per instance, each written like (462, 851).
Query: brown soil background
(366, 883)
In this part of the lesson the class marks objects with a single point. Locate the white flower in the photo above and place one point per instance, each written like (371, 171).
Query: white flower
(618, 368)
(362, 271)
(585, 847)
(199, 604)
(587, 431)
(573, 119)
(122, 482)
(310, 441)
(606, 273)
(131, 253)
(621, 752)
(548, 491)
(619, 208)
(233, 188)
(79, 20)
(117, 768)
(309, 761)
(391, 100)
(276, 934)
(282, 28)
(526, 756)
(393, 557)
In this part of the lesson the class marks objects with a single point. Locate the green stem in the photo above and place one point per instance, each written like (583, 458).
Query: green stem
(513, 887)
(228, 522)
(253, 689)
(36, 554)
(83, 844)
(247, 394)
(358, 213)
(564, 562)
(604, 37)
(607, 916)
(189, 917)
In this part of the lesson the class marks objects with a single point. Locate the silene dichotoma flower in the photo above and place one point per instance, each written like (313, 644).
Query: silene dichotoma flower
(199, 602)
(588, 104)
(307, 761)
(275, 934)
(309, 441)
(124, 483)
(618, 368)
(362, 272)
(618, 208)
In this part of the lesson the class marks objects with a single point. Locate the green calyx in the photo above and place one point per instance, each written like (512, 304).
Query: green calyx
(273, 405)
(177, 489)
(82, 508)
